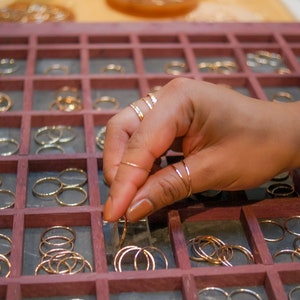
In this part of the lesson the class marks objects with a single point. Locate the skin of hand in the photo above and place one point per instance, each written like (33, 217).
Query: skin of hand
(229, 142)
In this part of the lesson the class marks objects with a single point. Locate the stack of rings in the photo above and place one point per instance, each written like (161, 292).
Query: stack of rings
(145, 252)
(5, 265)
(5, 102)
(50, 137)
(188, 182)
(67, 100)
(60, 186)
(221, 253)
(57, 254)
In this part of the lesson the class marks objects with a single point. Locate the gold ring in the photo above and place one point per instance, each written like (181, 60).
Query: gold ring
(6, 101)
(245, 291)
(112, 67)
(69, 173)
(7, 262)
(292, 291)
(46, 242)
(155, 249)
(275, 223)
(67, 91)
(283, 71)
(12, 195)
(77, 189)
(44, 132)
(40, 182)
(100, 138)
(291, 252)
(127, 163)
(50, 231)
(106, 99)
(57, 67)
(6, 142)
(175, 67)
(152, 98)
(213, 289)
(66, 133)
(188, 182)
(47, 147)
(137, 111)
(287, 225)
(295, 244)
(8, 66)
(280, 190)
(282, 96)
(67, 103)
(5, 237)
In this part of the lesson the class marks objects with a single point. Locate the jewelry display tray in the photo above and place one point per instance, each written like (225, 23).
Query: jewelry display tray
(142, 49)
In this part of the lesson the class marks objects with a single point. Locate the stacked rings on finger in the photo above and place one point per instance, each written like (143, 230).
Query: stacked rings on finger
(187, 182)
(150, 100)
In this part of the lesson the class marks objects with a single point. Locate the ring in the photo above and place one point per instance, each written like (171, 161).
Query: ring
(68, 230)
(69, 174)
(57, 67)
(5, 237)
(175, 67)
(282, 96)
(152, 98)
(67, 103)
(77, 189)
(5, 100)
(54, 180)
(287, 251)
(283, 71)
(106, 99)
(67, 91)
(66, 133)
(7, 262)
(100, 138)
(8, 66)
(45, 131)
(134, 165)
(245, 291)
(113, 67)
(6, 142)
(280, 190)
(275, 223)
(137, 111)
(292, 291)
(287, 226)
(49, 146)
(214, 289)
(11, 194)
(188, 183)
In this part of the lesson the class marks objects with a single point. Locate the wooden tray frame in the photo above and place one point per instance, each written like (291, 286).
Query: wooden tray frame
(135, 42)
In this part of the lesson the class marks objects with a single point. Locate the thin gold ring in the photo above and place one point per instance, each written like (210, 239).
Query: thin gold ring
(287, 251)
(213, 288)
(275, 223)
(4, 98)
(68, 231)
(151, 248)
(5, 237)
(287, 227)
(7, 262)
(57, 67)
(66, 133)
(113, 67)
(152, 98)
(245, 291)
(45, 131)
(134, 166)
(49, 146)
(71, 171)
(45, 243)
(73, 188)
(137, 111)
(175, 67)
(148, 103)
(292, 291)
(15, 144)
(10, 193)
(282, 95)
(106, 99)
(43, 180)
(187, 183)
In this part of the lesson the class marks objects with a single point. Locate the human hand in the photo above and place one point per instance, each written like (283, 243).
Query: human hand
(229, 142)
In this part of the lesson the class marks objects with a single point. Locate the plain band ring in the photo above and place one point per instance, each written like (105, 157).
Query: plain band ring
(275, 223)
(245, 291)
(49, 146)
(187, 183)
(10, 193)
(213, 288)
(292, 291)
(57, 67)
(287, 227)
(14, 142)
(113, 67)
(8, 239)
(137, 111)
(134, 166)
(41, 181)
(4, 98)
(175, 67)
(152, 98)
(106, 99)
(74, 188)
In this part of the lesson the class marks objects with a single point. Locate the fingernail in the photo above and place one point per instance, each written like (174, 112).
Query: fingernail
(139, 210)
(107, 213)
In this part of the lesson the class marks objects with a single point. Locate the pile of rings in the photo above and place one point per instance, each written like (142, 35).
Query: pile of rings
(67, 100)
(288, 227)
(208, 248)
(59, 187)
(135, 254)
(221, 67)
(266, 58)
(5, 265)
(57, 253)
(51, 137)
